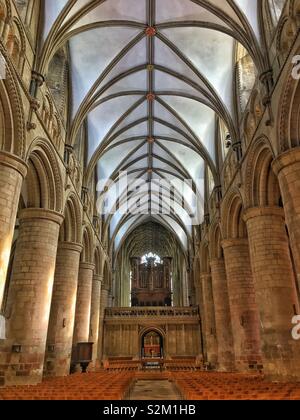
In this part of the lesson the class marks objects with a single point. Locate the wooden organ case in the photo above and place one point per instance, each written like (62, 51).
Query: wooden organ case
(151, 282)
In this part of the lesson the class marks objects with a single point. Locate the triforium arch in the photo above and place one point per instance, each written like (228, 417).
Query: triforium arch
(12, 121)
(71, 229)
(215, 241)
(98, 261)
(232, 224)
(261, 185)
(87, 255)
(44, 181)
(288, 132)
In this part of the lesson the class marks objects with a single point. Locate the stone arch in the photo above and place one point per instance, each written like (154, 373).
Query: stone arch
(204, 258)
(3, 14)
(70, 230)
(22, 6)
(47, 111)
(289, 115)
(56, 129)
(215, 240)
(233, 225)
(16, 43)
(144, 331)
(287, 30)
(44, 179)
(256, 107)
(12, 125)
(87, 255)
(57, 79)
(249, 126)
(295, 9)
(262, 188)
(246, 75)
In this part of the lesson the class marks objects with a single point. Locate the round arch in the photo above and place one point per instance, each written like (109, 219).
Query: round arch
(262, 187)
(162, 338)
(12, 124)
(44, 177)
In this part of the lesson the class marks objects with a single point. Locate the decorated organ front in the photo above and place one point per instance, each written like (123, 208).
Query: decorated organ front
(151, 282)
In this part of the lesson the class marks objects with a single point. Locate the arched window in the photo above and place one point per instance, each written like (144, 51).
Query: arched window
(157, 259)
(26, 10)
(246, 75)
(22, 6)
(225, 139)
(57, 79)
(276, 7)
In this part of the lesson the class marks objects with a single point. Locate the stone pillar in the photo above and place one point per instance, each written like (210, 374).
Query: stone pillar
(287, 169)
(103, 306)
(222, 315)
(62, 314)
(30, 292)
(243, 307)
(95, 315)
(275, 290)
(83, 303)
(12, 172)
(199, 300)
(209, 319)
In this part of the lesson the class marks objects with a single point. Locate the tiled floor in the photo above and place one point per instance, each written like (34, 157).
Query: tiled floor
(154, 390)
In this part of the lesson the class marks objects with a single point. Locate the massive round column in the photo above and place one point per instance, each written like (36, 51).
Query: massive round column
(103, 306)
(287, 168)
(30, 292)
(62, 315)
(222, 315)
(209, 319)
(12, 172)
(83, 303)
(95, 315)
(243, 307)
(275, 289)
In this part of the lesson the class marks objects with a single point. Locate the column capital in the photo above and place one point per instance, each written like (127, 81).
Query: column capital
(234, 242)
(98, 277)
(286, 159)
(36, 213)
(14, 162)
(87, 266)
(256, 212)
(71, 246)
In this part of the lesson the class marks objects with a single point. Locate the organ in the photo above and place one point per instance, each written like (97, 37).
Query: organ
(151, 282)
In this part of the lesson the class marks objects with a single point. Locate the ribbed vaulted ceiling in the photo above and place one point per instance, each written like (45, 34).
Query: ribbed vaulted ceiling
(149, 78)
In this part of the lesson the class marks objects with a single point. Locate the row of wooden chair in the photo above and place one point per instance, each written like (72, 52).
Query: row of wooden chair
(219, 386)
(192, 385)
(90, 386)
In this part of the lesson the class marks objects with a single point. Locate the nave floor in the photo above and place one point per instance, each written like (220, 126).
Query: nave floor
(154, 390)
(155, 386)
